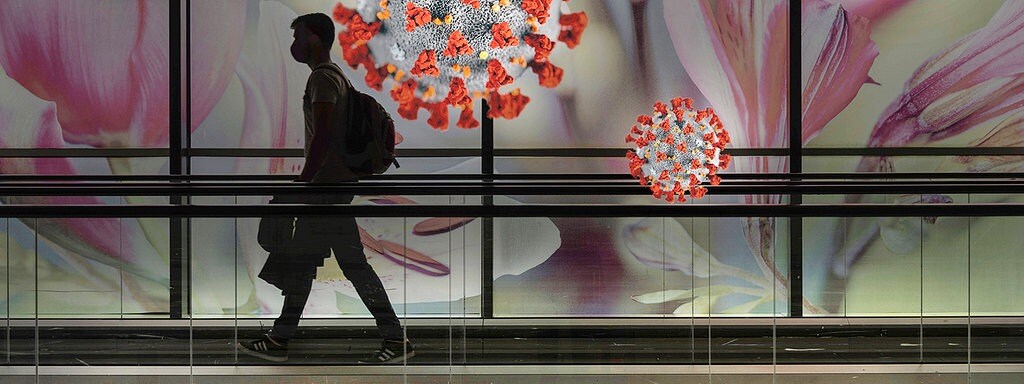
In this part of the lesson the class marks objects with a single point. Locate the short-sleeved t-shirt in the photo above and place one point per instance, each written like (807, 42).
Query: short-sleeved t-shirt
(327, 86)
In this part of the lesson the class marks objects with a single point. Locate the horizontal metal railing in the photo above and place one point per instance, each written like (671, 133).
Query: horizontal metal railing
(834, 176)
(509, 185)
(468, 184)
(509, 152)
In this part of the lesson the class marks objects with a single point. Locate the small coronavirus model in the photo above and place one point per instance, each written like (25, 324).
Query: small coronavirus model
(447, 53)
(677, 149)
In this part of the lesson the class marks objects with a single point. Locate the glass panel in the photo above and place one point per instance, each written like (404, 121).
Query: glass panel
(995, 284)
(824, 269)
(754, 272)
(857, 378)
(5, 297)
(945, 280)
(91, 267)
(746, 279)
(576, 266)
(21, 290)
(869, 266)
(66, 379)
(885, 275)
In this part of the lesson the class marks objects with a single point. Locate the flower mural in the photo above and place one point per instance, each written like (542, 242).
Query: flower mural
(106, 86)
(958, 86)
(413, 257)
(976, 79)
(744, 72)
(745, 78)
(967, 85)
(666, 244)
(87, 81)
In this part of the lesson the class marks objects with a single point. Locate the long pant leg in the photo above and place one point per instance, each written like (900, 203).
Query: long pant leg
(348, 250)
(308, 252)
(291, 312)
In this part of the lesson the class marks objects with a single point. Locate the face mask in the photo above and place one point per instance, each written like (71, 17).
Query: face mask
(298, 53)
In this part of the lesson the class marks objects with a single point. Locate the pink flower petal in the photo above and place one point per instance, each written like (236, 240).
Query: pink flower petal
(737, 55)
(413, 259)
(976, 79)
(217, 31)
(87, 57)
(370, 242)
(384, 200)
(105, 64)
(273, 84)
(836, 54)
(1008, 133)
(28, 122)
(874, 10)
(438, 225)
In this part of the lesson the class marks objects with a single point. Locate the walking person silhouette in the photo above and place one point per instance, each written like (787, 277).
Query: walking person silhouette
(324, 107)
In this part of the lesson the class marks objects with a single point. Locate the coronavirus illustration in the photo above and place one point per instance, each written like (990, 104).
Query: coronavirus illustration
(447, 53)
(677, 149)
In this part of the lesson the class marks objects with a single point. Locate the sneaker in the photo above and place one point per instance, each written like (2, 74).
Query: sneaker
(265, 348)
(391, 352)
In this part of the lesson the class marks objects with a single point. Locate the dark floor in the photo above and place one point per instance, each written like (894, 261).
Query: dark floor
(531, 346)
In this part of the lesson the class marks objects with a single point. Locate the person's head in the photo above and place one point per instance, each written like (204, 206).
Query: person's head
(314, 36)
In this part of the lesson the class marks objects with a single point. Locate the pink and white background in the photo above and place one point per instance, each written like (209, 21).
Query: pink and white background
(898, 73)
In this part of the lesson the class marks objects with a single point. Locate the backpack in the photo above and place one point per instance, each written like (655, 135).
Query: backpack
(370, 132)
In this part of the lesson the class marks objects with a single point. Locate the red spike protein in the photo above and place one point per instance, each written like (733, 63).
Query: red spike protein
(446, 53)
(677, 149)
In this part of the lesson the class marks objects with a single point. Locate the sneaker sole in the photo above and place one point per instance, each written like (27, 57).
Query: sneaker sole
(396, 360)
(261, 355)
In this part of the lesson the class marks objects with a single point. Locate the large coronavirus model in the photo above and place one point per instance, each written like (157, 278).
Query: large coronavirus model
(447, 53)
(677, 149)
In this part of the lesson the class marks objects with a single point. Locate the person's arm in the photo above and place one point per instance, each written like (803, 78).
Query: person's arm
(324, 94)
(322, 121)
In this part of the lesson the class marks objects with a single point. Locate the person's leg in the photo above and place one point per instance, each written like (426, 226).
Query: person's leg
(309, 249)
(273, 345)
(348, 250)
(294, 274)
(291, 312)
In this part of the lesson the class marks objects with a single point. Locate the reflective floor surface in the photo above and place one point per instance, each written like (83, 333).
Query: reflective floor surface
(976, 378)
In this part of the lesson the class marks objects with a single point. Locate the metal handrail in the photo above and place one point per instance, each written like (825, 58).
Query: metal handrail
(520, 210)
(487, 188)
(526, 176)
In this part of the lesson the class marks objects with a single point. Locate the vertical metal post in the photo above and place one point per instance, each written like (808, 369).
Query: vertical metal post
(176, 156)
(186, 163)
(179, 143)
(796, 294)
(487, 243)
